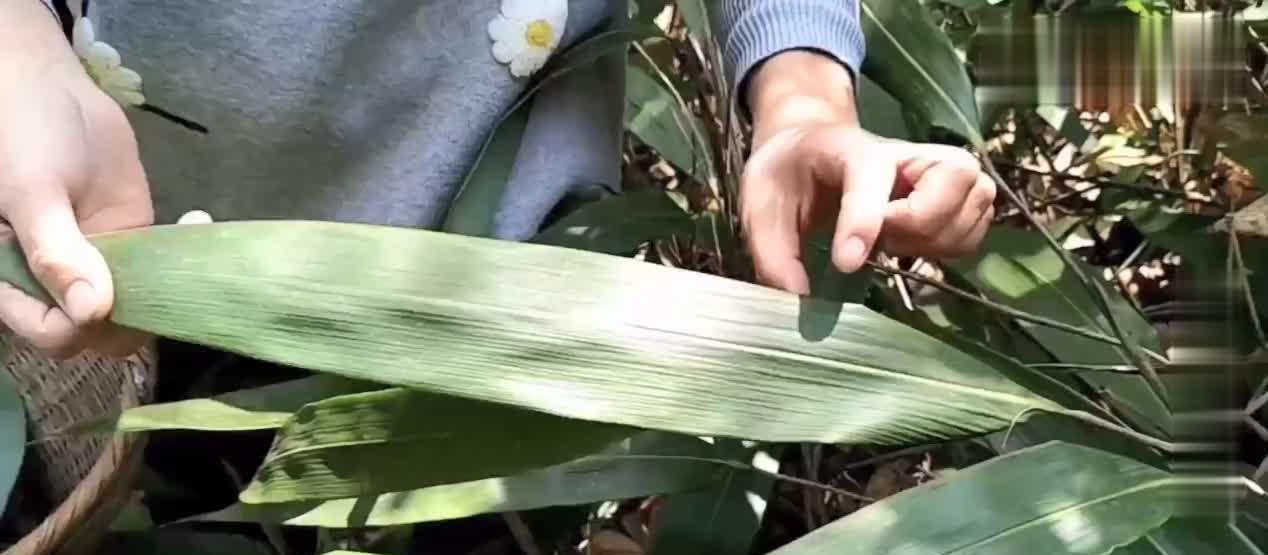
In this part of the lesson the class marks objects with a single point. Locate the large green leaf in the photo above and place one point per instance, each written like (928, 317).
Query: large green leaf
(572, 333)
(650, 463)
(915, 62)
(398, 439)
(1017, 268)
(654, 116)
(1053, 498)
(12, 436)
(619, 224)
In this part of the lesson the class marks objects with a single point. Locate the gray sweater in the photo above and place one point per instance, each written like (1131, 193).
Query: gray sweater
(373, 111)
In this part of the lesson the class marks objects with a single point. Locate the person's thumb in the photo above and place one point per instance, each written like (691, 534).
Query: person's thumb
(70, 268)
(866, 172)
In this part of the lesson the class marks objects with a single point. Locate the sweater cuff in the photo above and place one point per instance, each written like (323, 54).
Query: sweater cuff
(770, 27)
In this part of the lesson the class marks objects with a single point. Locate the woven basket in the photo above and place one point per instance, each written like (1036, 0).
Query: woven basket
(87, 478)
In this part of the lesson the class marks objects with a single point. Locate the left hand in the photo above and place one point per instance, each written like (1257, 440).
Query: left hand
(812, 164)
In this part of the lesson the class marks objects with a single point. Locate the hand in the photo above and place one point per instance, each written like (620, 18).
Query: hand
(812, 164)
(68, 167)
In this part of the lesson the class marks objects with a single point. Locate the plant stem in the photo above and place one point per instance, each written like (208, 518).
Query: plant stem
(522, 534)
(738, 466)
(1104, 182)
(1133, 352)
(997, 307)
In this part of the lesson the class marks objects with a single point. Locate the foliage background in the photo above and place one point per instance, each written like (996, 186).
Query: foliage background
(1127, 195)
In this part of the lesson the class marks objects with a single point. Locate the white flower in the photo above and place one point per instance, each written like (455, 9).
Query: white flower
(527, 32)
(104, 66)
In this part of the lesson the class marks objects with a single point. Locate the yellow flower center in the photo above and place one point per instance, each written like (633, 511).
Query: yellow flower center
(540, 34)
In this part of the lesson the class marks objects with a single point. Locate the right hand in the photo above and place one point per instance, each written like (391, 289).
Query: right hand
(69, 166)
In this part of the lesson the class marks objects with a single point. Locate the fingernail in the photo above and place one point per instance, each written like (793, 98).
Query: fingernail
(81, 302)
(853, 255)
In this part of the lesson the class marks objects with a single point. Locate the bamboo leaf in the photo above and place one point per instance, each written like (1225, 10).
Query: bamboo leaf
(650, 463)
(654, 116)
(880, 113)
(619, 224)
(1016, 267)
(915, 62)
(12, 436)
(1085, 502)
(571, 333)
(391, 440)
(261, 408)
(473, 210)
(720, 520)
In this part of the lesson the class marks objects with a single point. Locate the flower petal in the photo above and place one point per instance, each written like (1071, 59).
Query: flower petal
(127, 98)
(528, 62)
(122, 78)
(501, 28)
(102, 57)
(83, 36)
(522, 10)
(556, 13)
(506, 51)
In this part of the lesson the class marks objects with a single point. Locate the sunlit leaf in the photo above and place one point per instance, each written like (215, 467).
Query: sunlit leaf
(647, 464)
(571, 333)
(1053, 498)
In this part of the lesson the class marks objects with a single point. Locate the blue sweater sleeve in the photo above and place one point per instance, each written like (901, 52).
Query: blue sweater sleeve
(750, 31)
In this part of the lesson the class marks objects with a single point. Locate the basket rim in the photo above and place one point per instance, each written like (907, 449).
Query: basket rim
(75, 521)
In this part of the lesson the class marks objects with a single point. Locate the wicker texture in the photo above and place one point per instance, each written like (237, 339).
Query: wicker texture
(86, 477)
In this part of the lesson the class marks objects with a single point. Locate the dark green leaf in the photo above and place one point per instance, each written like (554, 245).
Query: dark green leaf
(880, 113)
(472, 211)
(12, 436)
(474, 206)
(915, 62)
(654, 116)
(619, 224)
(723, 519)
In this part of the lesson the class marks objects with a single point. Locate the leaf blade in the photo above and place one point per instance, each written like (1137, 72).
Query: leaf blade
(552, 329)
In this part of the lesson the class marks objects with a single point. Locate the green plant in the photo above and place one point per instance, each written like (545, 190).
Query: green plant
(460, 376)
